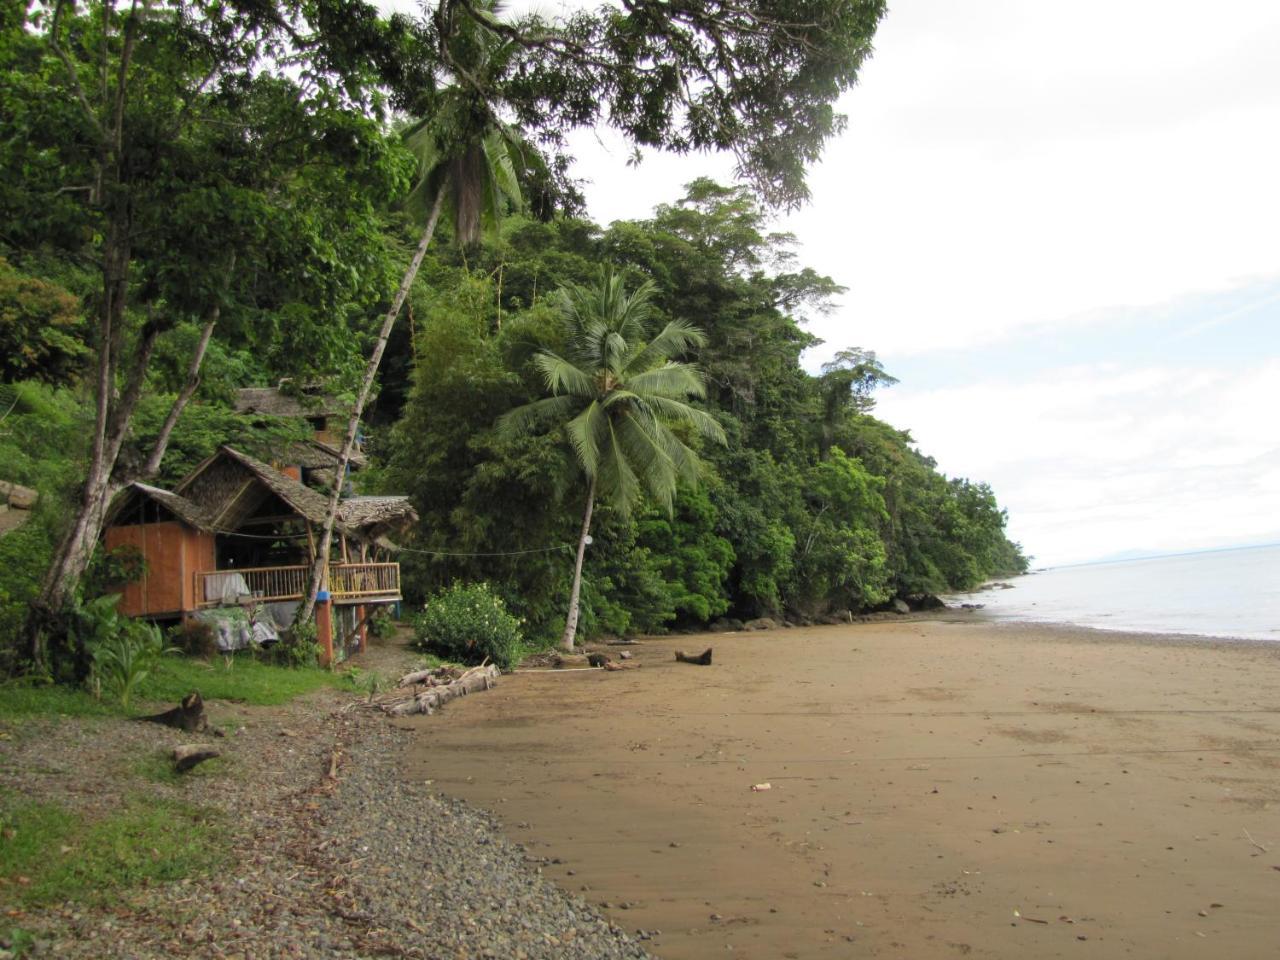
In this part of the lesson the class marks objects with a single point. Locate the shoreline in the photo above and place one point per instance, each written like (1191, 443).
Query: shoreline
(929, 776)
(323, 850)
(1092, 634)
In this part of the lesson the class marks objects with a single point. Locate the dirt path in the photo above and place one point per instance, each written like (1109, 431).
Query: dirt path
(936, 789)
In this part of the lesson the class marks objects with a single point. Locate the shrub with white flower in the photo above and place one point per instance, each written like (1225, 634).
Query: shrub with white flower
(468, 622)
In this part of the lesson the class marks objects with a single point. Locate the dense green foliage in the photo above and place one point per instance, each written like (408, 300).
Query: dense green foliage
(276, 209)
(468, 623)
(812, 507)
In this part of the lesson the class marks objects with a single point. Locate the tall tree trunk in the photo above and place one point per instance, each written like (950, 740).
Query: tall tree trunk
(571, 624)
(357, 411)
(71, 559)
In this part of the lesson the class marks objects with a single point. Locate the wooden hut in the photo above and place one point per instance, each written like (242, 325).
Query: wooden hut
(238, 531)
(326, 415)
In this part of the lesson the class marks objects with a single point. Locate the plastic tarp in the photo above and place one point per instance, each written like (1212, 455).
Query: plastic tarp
(237, 628)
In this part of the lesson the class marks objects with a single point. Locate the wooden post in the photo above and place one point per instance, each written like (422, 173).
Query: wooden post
(324, 627)
(364, 628)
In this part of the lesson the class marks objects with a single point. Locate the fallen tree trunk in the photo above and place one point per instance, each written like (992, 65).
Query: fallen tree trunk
(702, 659)
(430, 700)
(432, 676)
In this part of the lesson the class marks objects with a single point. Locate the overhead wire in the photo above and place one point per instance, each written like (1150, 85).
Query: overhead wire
(430, 553)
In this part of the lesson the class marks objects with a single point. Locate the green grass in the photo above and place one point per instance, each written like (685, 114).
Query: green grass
(20, 700)
(48, 855)
(240, 678)
(158, 767)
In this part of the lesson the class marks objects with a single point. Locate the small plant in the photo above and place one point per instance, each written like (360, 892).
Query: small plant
(368, 682)
(299, 648)
(123, 661)
(469, 623)
(194, 638)
(18, 942)
(122, 651)
(382, 625)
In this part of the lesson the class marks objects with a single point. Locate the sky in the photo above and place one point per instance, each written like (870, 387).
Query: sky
(1059, 227)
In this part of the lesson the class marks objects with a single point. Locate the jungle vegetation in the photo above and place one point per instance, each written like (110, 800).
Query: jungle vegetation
(198, 196)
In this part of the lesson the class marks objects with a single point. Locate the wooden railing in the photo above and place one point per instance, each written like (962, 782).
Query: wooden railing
(347, 581)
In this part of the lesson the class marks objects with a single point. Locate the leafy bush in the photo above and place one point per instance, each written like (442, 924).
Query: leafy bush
(123, 651)
(382, 625)
(298, 648)
(468, 622)
(194, 638)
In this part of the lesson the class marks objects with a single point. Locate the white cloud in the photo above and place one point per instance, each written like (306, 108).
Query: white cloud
(1010, 165)
(1094, 461)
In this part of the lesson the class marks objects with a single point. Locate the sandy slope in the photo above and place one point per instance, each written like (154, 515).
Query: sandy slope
(928, 780)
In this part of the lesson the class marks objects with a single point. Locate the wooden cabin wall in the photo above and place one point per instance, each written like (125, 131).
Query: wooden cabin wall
(166, 583)
(199, 554)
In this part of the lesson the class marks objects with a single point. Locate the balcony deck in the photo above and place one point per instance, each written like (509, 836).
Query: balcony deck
(348, 583)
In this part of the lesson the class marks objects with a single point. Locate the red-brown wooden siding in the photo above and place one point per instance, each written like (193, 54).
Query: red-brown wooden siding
(173, 553)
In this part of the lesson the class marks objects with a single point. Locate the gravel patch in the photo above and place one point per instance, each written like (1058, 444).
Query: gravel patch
(358, 865)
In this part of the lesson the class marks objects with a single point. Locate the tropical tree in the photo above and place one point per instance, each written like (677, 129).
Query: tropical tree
(846, 385)
(158, 143)
(617, 398)
(469, 165)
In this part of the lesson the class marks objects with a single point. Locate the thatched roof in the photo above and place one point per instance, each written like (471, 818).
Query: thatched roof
(318, 455)
(306, 502)
(381, 511)
(189, 513)
(230, 485)
(271, 402)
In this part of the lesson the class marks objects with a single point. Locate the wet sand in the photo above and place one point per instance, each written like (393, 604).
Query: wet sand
(936, 789)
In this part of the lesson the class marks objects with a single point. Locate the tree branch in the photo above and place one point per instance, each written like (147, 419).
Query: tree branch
(72, 74)
(122, 412)
(152, 466)
(122, 81)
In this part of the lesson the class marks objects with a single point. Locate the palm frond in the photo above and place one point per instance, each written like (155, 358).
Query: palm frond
(657, 456)
(617, 481)
(672, 380)
(684, 461)
(588, 433)
(614, 350)
(673, 340)
(700, 420)
(561, 376)
(503, 182)
(525, 419)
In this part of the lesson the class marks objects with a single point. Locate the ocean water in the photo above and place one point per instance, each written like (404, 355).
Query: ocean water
(1219, 593)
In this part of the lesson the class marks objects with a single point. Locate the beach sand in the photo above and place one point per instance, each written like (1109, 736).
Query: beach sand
(937, 787)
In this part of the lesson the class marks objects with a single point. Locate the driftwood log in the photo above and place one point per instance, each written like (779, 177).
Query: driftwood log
(192, 754)
(431, 677)
(436, 695)
(187, 716)
(613, 665)
(702, 659)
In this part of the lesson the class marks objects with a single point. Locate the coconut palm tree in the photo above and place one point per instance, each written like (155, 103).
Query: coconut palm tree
(468, 168)
(617, 398)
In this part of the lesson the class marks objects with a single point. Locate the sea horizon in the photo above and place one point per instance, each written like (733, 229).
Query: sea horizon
(1228, 592)
(1129, 556)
